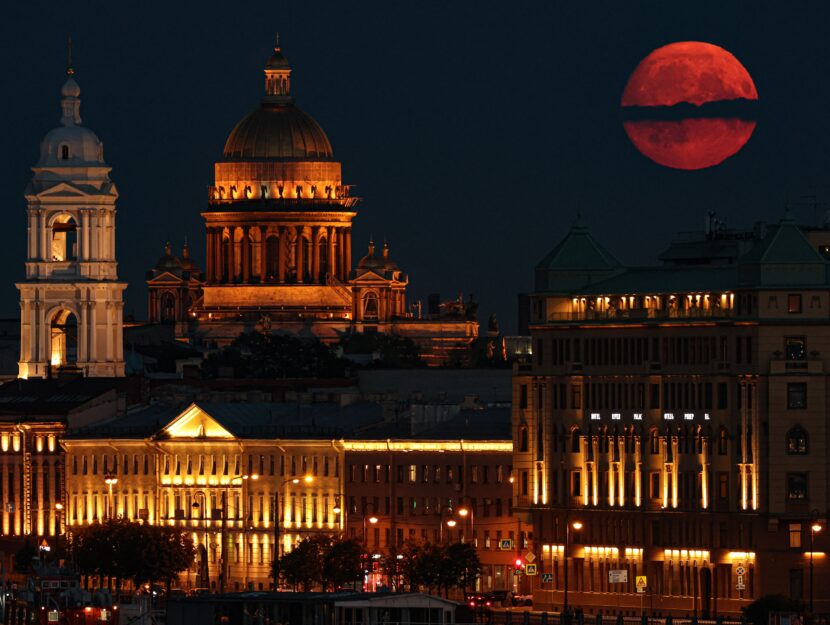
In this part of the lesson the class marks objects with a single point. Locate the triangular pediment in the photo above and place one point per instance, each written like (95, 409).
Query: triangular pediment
(369, 276)
(64, 189)
(165, 278)
(195, 423)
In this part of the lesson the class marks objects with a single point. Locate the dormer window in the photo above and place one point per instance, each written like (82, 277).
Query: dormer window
(64, 152)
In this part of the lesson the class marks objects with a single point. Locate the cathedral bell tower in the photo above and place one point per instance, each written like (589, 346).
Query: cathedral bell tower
(71, 300)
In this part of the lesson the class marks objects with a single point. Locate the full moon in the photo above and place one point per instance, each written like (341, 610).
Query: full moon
(672, 91)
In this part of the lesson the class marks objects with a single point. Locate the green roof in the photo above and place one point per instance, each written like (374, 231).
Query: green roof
(579, 251)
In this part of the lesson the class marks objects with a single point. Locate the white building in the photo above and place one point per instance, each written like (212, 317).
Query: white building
(71, 300)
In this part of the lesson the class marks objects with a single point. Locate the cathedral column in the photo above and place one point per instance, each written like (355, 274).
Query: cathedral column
(208, 255)
(347, 243)
(45, 249)
(263, 253)
(299, 255)
(83, 253)
(246, 254)
(231, 254)
(282, 252)
(315, 258)
(93, 321)
(119, 326)
(332, 260)
(217, 254)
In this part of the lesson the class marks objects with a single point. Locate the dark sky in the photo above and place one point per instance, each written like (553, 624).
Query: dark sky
(474, 131)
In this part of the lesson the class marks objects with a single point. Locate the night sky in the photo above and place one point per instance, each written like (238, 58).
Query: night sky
(474, 131)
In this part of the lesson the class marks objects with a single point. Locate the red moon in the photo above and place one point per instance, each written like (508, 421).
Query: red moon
(688, 73)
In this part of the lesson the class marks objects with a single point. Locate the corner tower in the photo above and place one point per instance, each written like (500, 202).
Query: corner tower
(71, 300)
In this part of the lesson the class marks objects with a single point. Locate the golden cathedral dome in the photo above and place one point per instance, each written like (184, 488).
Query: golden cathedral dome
(278, 129)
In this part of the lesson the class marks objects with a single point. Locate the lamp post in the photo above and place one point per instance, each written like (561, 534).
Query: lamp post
(464, 512)
(815, 528)
(110, 481)
(451, 522)
(58, 511)
(308, 479)
(223, 573)
(204, 518)
(373, 519)
(577, 525)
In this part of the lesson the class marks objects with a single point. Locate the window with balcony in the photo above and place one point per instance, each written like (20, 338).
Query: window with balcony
(795, 348)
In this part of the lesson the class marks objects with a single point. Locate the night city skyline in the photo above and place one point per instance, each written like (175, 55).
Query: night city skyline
(452, 138)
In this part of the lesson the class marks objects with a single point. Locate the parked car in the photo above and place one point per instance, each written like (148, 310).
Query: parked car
(522, 600)
(499, 597)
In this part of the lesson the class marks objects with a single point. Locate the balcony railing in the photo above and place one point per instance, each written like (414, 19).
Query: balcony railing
(642, 314)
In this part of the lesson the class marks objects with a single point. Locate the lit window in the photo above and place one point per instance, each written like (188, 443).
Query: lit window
(797, 441)
(795, 535)
(794, 303)
(797, 487)
(795, 348)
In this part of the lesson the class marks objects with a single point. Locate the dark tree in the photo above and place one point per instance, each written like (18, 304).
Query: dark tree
(341, 563)
(264, 355)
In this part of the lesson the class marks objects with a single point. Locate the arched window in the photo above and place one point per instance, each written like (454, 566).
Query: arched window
(576, 435)
(272, 255)
(654, 441)
(64, 156)
(64, 343)
(370, 307)
(524, 444)
(797, 441)
(723, 442)
(323, 266)
(64, 239)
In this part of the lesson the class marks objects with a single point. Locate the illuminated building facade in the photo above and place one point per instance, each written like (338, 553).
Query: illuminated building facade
(70, 300)
(313, 468)
(678, 415)
(279, 243)
(448, 483)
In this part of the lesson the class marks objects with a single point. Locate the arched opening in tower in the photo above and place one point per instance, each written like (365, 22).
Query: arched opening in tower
(64, 239)
(168, 307)
(64, 340)
(272, 258)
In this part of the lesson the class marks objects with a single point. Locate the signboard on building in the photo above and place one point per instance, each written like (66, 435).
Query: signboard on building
(530, 569)
(642, 583)
(618, 576)
(530, 556)
(506, 544)
(547, 578)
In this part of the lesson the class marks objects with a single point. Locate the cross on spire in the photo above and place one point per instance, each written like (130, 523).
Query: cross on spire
(69, 69)
(277, 46)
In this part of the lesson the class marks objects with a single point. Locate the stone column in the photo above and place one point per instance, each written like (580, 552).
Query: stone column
(315, 257)
(263, 253)
(83, 240)
(232, 254)
(246, 255)
(332, 260)
(282, 253)
(209, 255)
(218, 260)
(299, 256)
(348, 245)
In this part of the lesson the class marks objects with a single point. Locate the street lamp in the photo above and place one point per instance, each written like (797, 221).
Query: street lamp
(464, 512)
(577, 525)
(373, 520)
(308, 479)
(58, 511)
(815, 528)
(451, 522)
(110, 481)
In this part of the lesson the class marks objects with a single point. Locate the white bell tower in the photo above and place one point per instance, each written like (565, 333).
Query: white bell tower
(71, 300)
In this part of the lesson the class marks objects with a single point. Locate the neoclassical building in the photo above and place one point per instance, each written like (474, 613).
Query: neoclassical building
(672, 421)
(279, 243)
(71, 299)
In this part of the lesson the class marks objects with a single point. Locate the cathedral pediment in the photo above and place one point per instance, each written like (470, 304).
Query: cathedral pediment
(194, 422)
(66, 189)
(165, 278)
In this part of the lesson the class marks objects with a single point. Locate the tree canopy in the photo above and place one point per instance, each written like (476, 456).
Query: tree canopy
(121, 550)
(266, 355)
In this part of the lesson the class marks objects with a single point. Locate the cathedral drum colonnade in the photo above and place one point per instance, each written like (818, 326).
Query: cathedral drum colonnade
(71, 299)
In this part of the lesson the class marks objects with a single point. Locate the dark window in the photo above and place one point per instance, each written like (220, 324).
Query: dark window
(723, 442)
(794, 303)
(723, 486)
(722, 396)
(797, 395)
(655, 397)
(523, 396)
(654, 485)
(797, 487)
(523, 438)
(575, 436)
(796, 584)
(795, 348)
(797, 441)
(524, 483)
(64, 152)
(576, 483)
(654, 442)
